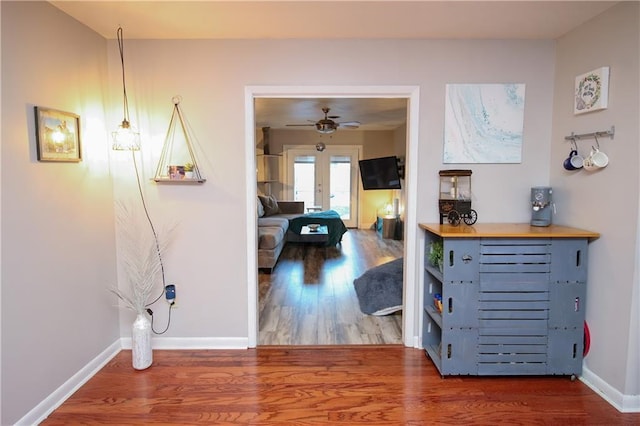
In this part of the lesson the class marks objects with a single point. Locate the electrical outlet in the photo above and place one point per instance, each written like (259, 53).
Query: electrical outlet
(170, 293)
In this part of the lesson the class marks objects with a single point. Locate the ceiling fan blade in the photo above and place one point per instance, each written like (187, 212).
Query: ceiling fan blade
(298, 125)
(351, 124)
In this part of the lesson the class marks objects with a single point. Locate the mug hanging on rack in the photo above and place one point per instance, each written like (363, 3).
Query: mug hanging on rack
(596, 159)
(575, 160)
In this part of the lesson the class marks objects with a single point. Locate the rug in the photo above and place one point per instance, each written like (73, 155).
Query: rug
(379, 290)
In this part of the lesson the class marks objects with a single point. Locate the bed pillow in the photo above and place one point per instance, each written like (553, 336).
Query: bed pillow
(270, 204)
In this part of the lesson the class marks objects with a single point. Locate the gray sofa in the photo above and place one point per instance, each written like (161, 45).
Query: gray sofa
(273, 224)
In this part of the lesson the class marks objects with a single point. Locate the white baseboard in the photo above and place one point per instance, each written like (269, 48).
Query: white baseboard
(177, 343)
(621, 402)
(53, 401)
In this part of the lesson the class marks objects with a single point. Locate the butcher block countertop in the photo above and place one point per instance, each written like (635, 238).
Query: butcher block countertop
(506, 230)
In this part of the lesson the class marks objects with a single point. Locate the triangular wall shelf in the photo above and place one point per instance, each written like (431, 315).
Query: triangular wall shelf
(178, 161)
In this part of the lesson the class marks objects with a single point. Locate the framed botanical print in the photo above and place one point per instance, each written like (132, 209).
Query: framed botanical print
(57, 135)
(591, 91)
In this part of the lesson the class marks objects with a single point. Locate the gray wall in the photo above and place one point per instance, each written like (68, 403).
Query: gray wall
(605, 201)
(58, 252)
(211, 76)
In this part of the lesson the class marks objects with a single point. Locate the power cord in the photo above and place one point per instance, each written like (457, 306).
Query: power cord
(155, 237)
(150, 312)
(153, 229)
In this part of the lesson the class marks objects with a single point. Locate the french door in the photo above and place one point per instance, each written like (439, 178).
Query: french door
(324, 180)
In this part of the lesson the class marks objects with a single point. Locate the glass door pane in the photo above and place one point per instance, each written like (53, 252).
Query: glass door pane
(325, 180)
(340, 185)
(304, 179)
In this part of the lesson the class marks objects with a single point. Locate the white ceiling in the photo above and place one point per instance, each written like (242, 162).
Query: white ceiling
(338, 19)
(268, 19)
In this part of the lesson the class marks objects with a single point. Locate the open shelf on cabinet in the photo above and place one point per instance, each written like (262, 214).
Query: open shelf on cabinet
(433, 271)
(435, 315)
(434, 353)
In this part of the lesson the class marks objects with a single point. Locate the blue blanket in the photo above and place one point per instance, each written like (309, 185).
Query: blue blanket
(331, 218)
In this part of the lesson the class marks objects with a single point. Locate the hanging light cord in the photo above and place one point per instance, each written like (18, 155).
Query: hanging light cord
(153, 229)
(124, 86)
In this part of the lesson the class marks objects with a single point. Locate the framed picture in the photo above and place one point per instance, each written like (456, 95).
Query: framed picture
(591, 91)
(57, 135)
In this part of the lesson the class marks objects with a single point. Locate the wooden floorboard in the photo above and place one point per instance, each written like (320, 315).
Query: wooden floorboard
(309, 298)
(350, 385)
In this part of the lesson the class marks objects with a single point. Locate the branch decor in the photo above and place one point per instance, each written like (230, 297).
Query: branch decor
(141, 256)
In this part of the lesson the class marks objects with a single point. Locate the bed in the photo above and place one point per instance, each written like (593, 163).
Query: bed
(330, 218)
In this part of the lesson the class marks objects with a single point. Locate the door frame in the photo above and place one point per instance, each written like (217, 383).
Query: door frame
(354, 202)
(411, 274)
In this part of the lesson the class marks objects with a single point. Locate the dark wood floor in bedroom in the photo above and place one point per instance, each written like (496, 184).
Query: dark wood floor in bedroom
(309, 299)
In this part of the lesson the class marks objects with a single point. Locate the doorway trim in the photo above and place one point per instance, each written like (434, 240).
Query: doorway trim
(410, 326)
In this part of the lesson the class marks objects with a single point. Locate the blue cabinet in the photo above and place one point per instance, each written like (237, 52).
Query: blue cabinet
(505, 303)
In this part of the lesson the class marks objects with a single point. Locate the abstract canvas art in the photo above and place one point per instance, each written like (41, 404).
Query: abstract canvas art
(484, 123)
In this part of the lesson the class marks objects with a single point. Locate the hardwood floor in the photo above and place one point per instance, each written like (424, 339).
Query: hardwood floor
(309, 298)
(373, 385)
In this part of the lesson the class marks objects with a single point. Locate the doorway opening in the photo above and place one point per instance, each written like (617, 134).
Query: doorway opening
(411, 94)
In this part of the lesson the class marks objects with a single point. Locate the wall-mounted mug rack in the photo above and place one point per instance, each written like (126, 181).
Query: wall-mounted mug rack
(593, 135)
(595, 160)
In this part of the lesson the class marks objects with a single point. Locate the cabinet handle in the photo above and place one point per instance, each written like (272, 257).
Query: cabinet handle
(466, 258)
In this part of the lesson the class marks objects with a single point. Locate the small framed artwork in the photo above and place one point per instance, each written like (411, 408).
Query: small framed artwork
(57, 135)
(591, 91)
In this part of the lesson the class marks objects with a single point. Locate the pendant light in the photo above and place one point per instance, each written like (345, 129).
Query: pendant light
(126, 137)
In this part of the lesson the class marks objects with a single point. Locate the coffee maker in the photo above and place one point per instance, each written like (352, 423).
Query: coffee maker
(541, 204)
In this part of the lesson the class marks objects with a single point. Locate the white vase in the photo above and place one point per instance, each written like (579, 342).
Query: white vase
(141, 352)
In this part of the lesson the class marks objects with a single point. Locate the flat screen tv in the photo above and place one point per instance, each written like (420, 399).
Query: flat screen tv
(380, 173)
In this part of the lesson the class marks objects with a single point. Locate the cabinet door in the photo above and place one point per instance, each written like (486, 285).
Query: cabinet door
(566, 304)
(459, 351)
(565, 351)
(460, 304)
(461, 257)
(569, 259)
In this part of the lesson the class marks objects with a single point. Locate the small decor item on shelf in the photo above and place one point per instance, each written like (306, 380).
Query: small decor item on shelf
(455, 197)
(436, 253)
(437, 301)
(176, 172)
(188, 171)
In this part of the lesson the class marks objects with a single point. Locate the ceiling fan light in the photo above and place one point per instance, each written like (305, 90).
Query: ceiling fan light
(325, 128)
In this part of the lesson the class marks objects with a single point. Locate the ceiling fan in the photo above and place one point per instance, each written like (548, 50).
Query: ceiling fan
(327, 125)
